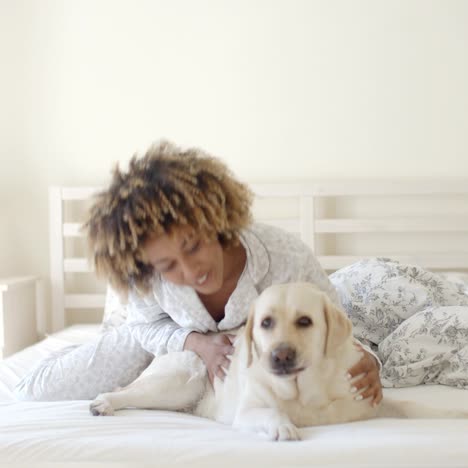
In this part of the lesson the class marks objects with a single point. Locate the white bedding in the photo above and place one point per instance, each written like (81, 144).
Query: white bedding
(66, 432)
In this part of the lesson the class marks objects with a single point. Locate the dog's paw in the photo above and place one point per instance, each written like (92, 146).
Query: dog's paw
(284, 431)
(101, 407)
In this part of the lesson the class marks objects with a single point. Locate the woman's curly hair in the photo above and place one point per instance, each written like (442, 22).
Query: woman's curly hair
(166, 188)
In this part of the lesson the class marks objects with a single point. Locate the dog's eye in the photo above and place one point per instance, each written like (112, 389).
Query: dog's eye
(304, 322)
(267, 322)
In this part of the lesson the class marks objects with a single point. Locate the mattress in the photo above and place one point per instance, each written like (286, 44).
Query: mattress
(65, 432)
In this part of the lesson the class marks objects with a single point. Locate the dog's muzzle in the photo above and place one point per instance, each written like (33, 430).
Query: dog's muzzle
(283, 359)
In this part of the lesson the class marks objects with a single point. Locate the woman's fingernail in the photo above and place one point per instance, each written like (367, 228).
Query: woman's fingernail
(348, 376)
(359, 398)
(353, 390)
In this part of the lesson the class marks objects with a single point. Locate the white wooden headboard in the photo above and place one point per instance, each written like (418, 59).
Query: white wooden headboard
(421, 221)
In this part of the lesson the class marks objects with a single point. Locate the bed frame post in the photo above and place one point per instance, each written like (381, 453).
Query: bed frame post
(56, 258)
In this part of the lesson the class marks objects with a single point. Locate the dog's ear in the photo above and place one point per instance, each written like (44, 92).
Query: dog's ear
(249, 334)
(339, 327)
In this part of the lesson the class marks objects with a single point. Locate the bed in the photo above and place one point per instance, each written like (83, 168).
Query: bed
(421, 222)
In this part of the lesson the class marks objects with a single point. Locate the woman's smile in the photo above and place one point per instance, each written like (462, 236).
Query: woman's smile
(202, 279)
(184, 258)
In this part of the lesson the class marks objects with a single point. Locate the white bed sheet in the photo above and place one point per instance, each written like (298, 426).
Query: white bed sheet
(65, 432)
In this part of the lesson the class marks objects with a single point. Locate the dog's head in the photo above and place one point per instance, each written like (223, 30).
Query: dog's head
(293, 326)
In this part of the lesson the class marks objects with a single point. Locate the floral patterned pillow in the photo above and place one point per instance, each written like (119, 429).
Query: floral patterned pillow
(417, 321)
(430, 347)
(461, 279)
(378, 294)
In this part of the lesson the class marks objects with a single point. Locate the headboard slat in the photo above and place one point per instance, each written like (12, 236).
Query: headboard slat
(428, 261)
(84, 301)
(56, 257)
(391, 224)
(77, 265)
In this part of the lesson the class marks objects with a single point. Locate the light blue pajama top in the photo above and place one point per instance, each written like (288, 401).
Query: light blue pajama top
(162, 319)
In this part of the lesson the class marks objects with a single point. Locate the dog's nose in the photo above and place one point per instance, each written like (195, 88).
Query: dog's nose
(283, 358)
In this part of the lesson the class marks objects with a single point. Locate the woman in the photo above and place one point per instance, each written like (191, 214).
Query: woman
(174, 235)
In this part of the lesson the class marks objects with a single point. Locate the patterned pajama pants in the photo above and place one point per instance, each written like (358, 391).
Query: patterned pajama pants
(112, 360)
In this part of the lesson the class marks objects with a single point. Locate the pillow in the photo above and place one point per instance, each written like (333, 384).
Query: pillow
(115, 312)
(378, 294)
(431, 347)
(460, 279)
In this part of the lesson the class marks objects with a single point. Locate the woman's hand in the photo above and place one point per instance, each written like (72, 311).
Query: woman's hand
(368, 385)
(213, 350)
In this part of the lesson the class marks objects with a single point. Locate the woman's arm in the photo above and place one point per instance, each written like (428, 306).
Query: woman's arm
(369, 385)
(154, 328)
(159, 334)
(311, 271)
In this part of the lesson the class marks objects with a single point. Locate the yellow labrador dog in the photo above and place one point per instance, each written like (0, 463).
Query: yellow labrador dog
(288, 370)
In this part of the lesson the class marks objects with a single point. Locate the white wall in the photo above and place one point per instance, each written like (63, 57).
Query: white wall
(278, 88)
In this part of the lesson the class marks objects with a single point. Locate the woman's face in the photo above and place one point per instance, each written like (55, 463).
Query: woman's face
(184, 258)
